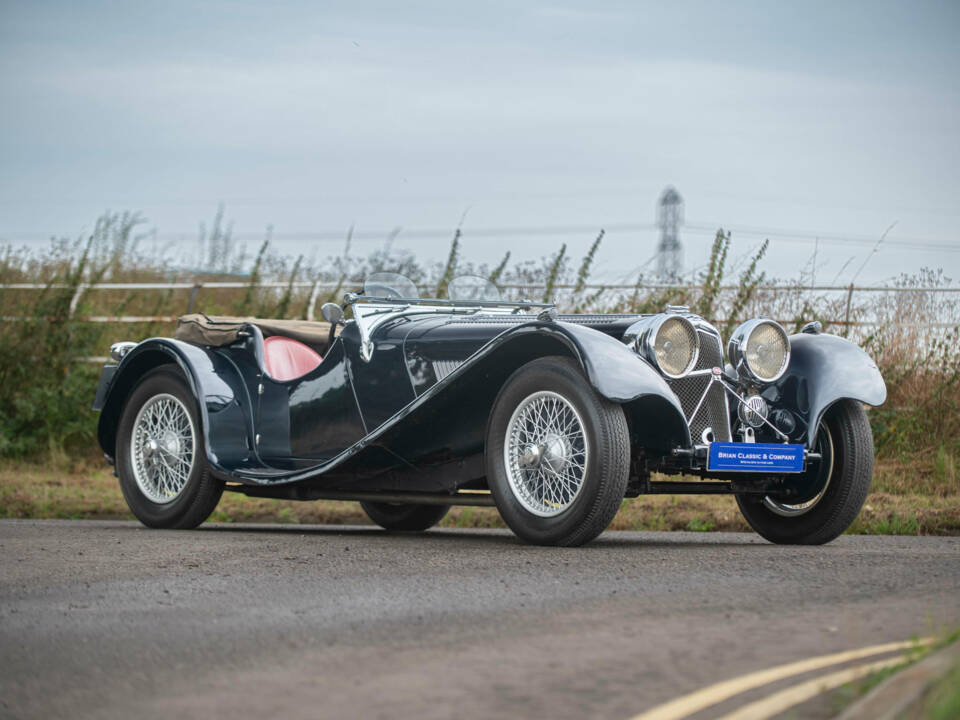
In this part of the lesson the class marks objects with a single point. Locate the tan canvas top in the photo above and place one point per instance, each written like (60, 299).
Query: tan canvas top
(220, 330)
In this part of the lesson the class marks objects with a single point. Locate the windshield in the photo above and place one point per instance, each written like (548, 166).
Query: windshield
(390, 285)
(472, 288)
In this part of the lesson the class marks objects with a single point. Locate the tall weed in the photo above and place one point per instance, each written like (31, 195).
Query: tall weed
(46, 387)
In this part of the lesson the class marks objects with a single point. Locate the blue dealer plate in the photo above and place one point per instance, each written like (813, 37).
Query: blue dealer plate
(755, 457)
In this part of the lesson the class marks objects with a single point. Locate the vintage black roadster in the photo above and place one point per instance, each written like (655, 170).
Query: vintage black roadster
(413, 405)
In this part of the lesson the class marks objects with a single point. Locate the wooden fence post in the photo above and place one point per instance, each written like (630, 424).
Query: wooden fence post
(846, 317)
(193, 295)
(75, 300)
(311, 303)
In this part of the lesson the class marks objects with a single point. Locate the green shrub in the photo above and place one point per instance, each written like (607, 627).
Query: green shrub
(46, 387)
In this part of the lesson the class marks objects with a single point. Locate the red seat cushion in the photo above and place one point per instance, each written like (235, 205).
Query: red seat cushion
(286, 359)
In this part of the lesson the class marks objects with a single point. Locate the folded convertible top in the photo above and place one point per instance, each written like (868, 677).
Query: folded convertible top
(218, 330)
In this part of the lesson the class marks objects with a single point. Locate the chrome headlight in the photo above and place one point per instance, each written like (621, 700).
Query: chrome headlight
(759, 350)
(670, 342)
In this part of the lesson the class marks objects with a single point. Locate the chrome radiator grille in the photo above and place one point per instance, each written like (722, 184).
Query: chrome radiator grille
(713, 412)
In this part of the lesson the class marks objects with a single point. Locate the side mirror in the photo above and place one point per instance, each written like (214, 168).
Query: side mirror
(332, 313)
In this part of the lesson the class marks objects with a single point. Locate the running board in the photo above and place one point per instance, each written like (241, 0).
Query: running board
(475, 498)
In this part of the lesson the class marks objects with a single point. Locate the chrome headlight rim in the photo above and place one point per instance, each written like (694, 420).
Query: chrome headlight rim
(736, 350)
(647, 343)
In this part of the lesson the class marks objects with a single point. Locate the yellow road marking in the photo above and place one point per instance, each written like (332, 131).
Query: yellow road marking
(718, 692)
(778, 702)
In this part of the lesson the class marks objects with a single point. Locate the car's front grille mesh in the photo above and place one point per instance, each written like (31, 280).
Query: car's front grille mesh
(713, 412)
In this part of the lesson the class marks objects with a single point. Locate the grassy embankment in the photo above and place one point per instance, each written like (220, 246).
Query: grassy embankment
(29, 490)
(50, 462)
(940, 700)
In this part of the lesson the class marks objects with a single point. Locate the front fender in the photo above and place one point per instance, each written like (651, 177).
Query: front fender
(614, 370)
(823, 370)
(221, 397)
(622, 376)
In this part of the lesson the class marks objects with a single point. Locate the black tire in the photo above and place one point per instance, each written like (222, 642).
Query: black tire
(404, 518)
(607, 463)
(851, 442)
(200, 493)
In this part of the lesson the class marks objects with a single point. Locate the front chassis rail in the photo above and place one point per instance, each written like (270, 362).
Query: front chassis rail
(761, 486)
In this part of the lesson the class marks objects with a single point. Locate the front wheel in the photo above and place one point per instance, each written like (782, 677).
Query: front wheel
(557, 454)
(835, 488)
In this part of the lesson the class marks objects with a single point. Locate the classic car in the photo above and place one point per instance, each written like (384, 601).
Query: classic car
(413, 405)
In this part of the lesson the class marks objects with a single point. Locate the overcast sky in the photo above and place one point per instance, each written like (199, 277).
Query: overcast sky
(791, 121)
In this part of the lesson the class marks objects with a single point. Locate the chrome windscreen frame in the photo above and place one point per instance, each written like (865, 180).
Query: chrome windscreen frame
(369, 312)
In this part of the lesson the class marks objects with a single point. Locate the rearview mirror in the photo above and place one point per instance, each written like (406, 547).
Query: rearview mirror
(332, 313)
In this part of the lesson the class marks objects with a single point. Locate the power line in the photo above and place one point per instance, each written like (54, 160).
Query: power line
(823, 238)
(214, 284)
(407, 235)
(380, 235)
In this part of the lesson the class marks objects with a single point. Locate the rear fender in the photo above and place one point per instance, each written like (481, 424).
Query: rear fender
(222, 398)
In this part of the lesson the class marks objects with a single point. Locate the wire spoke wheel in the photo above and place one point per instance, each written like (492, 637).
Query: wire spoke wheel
(546, 453)
(162, 448)
(557, 454)
(830, 495)
(825, 472)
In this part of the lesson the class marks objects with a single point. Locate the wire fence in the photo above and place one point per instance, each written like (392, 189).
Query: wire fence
(318, 289)
(925, 314)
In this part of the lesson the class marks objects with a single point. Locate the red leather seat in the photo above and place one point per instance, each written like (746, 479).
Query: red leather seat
(286, 359)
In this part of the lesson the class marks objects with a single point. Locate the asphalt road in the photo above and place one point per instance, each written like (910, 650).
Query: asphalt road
(108, 619)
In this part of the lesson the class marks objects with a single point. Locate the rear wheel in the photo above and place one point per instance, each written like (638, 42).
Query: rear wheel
(557, 454)
(834, 491)
(403, 516)
(161, 460)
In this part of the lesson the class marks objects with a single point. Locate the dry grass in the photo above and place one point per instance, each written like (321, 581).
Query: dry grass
(920, 359)
(916, 487)
(88, 491)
